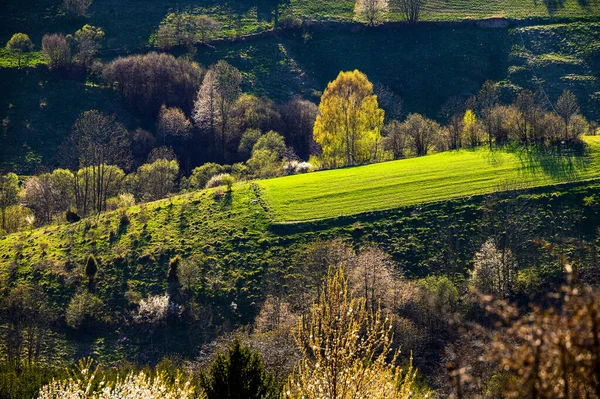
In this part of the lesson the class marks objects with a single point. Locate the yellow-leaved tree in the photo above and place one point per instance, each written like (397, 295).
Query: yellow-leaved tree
(349, 122)
(346, 351)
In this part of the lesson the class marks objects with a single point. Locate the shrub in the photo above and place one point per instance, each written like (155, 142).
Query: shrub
(78, 8)
(122, 201)
(83, 383)
(202, 174)
(72, 217)
(84, 311)
(224, 179)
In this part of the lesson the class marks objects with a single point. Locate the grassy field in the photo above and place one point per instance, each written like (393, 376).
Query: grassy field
(443, 176)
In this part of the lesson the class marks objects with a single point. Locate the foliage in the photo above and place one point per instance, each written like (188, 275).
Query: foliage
(83, 384)
(19, 43)
(157, 180)
(88, 40)
(238, 374)
(202, 174)
(349, 121)
(371, 11)
(85, 310)
(91, 267)
(224, 179)
(345, 350)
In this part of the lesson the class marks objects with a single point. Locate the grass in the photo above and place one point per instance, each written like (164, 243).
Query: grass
(343, 192)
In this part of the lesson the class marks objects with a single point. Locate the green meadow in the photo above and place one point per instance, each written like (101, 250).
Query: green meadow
(443, 176)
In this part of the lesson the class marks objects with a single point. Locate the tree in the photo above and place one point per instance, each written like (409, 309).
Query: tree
(88, 40)
(57, 50)
(395, 139)
(487, 100)
(218, 94)
(84, 311)
(410, 9)
(247, 142)
(91, 268)
(100, 142)
(152, 80)
(372, 11)
(373, 277)
(19, 43)
(273, 142)
(228, 80)
(529, 114)
(421, 133)
(239, 374)
(157, 180)
(172, 122)
(298, 118)
(207, 28)
(27, 318)
(345, 350)
(189, 272)
(39, 196)
(202, 174)
(455, 129)
(471, 129)
(567, 107)
(9, 194)
(78, 8)
(494, 271)
(349, 121)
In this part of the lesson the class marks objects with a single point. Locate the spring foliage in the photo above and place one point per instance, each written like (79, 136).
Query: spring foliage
(83, 384)
(345, 349)
(349, 121)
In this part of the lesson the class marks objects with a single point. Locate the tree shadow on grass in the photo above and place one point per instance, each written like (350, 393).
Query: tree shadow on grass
(563, 162)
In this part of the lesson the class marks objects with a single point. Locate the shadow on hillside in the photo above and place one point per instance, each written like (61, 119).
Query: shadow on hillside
(553, 6)
(564, 163)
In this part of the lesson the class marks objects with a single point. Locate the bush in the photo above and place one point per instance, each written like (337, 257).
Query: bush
(72, 217)
(202, 174)
(224, 179)
(122, 201)
(84, 311)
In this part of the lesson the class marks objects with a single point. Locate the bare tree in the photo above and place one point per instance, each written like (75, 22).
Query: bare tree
(299, 120)
(567, 107)
(395, 139)
(100, 141)
(57, 50)
(410, 9)
(487, 99)
(421, 132)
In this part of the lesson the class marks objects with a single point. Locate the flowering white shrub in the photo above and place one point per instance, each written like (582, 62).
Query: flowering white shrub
(155, 309)
(293, 167)
(82, 385)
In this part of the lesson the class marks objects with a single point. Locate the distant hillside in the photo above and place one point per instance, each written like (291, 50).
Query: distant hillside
(251, 249)
(425, 66)
(130, 24)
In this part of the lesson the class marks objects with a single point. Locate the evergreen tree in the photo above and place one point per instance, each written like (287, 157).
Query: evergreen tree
(239, 374)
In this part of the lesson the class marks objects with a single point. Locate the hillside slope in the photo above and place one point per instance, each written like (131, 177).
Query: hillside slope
(442, 176)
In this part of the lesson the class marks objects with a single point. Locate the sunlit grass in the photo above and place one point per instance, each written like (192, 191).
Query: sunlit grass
(442, 176)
